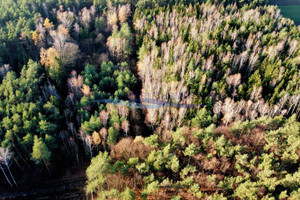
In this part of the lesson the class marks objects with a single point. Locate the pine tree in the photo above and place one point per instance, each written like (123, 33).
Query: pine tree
(127, 194)
(40, 152)
(96, 173)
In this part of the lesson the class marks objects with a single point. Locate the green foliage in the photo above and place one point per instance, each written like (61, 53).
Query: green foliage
(96, 172)
(195, 190)
(178, 138)
(142, 168)
(260, 159)
(112, 136)
(247, 190)
(56, 72)
(127, 194)
(151, 140)
(28, 121)
(152, 187)
(176, 198)
(133, 161)
(190, 150)
(202, 119)
(120, 42)
(107, 82)
(94, 124)
(231, 68)
(224, 71)
(174, 164)
(40, 151)
(113, 193)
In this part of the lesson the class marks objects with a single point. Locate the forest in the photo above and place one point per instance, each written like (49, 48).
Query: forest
(162, 99)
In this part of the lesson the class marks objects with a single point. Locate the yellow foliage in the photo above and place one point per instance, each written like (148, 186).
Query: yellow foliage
(96, 138)
(122, 14)
(48, 24)
(86, 90)
(48, 56)
(35, 37)
(112, 18)
(63, 30)
(43, 55)
(203, 79)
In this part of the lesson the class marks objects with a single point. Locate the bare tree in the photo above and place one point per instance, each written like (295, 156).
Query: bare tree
(112, 18)
(103, 134)
(3, 70)
(59, 40)
(104, 116)
(233, 81)
(86, 16)
(244, 58)
(167, 120)
(217, 108)
(283, 101)
(5, 157)
(89, 143)
(69, 53)
(253, 60)
(76, 29)
(274, 111)
(49, 90)
(152, 116)
(263, 108)
(240, 106)
(228, 110)
(123, 110)
(293, 47)
(256, 93)
(253, 114)
(67, 18)
(117, 126)
(124, 12)
(73, 143)
(125, 126)
(181, 115)
(75, 82)
(294, 102)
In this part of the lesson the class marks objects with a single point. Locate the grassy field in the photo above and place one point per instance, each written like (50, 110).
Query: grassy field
(289, 8)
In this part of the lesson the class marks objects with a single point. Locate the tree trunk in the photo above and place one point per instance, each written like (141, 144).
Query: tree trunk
(6, 176)
(91, 151)
(11, 174)
(47, 166)
(17, 162)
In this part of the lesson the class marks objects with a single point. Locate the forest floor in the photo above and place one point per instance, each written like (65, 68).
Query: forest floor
(70, 186)
(289, 8)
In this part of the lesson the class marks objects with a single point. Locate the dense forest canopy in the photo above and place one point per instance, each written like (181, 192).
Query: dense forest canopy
(218, 81)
